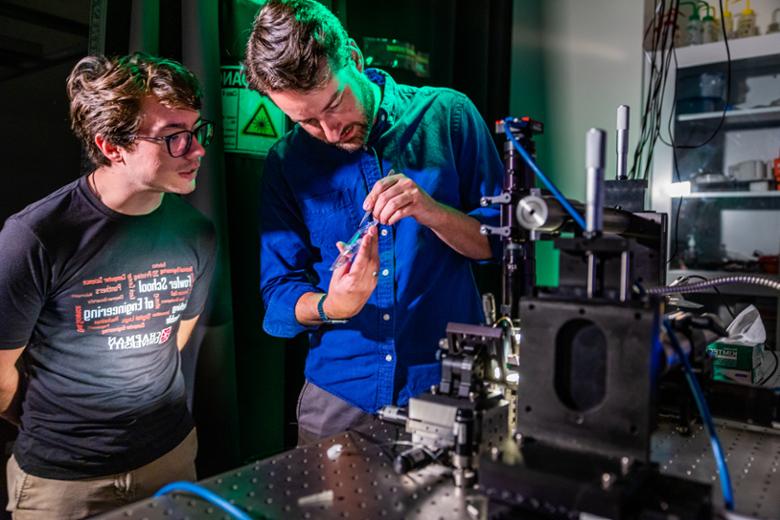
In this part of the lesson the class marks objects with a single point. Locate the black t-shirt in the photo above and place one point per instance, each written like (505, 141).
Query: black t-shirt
(97, 297)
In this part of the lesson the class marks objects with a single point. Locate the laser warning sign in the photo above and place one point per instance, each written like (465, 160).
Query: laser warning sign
(261, 124)
(251, 122)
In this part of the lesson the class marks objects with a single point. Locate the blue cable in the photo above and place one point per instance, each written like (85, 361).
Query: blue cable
(701, 403)
(205, 494)
(547, 183)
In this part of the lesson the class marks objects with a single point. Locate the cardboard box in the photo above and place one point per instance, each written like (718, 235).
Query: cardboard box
(736, 363)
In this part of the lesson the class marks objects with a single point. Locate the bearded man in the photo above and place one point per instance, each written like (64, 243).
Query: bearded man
(414, 160)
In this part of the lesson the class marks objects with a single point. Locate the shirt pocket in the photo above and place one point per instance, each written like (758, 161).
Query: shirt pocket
(329, 217)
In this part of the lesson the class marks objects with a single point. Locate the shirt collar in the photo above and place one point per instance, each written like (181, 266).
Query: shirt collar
(385, 116)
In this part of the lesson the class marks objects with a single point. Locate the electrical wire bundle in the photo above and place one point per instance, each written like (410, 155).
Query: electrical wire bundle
(661, 31)
(688, 146)
(675, 146)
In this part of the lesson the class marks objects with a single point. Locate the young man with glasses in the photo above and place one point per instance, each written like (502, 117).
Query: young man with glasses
(101, 285)
(414, 160)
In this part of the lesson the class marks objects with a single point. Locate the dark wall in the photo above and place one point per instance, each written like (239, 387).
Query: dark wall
(38, 151)
(469, 43)
(269, 370)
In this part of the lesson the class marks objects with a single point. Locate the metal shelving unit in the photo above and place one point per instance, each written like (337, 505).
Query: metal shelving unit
(747, 115)
(741, 49)
(750, 130)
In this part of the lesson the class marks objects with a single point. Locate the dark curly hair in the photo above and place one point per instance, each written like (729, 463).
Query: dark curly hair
(290, 44)
(106, 93)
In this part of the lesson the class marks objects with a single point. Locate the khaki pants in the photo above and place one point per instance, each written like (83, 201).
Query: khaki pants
(36, 498)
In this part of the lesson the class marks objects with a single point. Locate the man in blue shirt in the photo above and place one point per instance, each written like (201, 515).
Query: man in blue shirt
(417, 160)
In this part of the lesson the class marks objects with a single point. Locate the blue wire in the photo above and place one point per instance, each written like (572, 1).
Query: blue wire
(547, 183)
(205, 494)
(701, 403)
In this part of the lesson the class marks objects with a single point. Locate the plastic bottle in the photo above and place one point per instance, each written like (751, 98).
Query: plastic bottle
(693, 27)
(746, 26)
(776, 171)
(775, 25)
(710, 30)
(728, 18)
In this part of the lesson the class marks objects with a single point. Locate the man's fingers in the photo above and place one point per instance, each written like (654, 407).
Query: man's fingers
(398, 215)
(366, 251)
(341, 246)
(343, 269)
(392, 207)
(380, 186)
(401, 194)
(388, 194)
(373, 247)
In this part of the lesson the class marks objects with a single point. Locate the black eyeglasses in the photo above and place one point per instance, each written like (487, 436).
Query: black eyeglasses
(179, 143)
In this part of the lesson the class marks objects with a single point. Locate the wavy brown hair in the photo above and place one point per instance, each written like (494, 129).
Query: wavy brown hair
(106, 93)
(290, 44)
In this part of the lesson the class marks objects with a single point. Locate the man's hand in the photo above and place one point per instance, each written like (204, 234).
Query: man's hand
(10, 394)
(185, 331)
(353, 282)
(397, 196)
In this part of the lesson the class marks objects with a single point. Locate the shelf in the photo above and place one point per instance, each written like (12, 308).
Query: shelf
(724, 194)
(740, 48)
(747, 115)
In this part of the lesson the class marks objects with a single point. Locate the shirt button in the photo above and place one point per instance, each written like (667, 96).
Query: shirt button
(388, 358)
(385, 272)
(386, 317)
(384, 232)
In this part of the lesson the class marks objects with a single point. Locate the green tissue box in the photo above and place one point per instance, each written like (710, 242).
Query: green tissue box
(736, 363)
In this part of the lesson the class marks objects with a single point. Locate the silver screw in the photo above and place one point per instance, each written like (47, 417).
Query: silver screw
(625, 465)
(494, 453)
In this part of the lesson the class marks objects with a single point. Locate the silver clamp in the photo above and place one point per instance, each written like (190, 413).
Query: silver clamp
(503, 231)
(504, 198)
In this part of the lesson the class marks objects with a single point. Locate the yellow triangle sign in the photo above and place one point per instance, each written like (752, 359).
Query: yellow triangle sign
(261, 124)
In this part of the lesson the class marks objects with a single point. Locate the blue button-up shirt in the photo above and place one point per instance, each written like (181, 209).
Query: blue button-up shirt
(312, 197)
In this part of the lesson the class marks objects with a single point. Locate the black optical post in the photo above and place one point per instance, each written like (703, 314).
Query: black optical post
(519, 264)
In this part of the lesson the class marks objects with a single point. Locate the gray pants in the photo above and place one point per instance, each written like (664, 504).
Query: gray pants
(322, 414)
